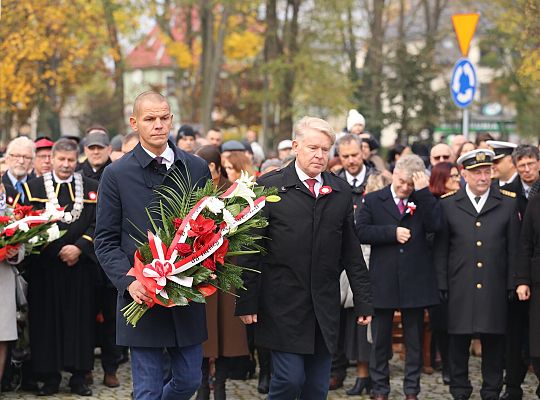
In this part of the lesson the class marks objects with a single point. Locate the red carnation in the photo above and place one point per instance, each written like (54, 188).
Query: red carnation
(183, 248)
(201, 226)
(177, 222)
(22, 211)
(4, 219)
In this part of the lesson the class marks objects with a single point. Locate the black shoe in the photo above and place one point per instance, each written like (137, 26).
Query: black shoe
(47, 390)
(509, 396)
(446, 378)
(264, 384)
(360, 385)
(29, 387)
(81, 389)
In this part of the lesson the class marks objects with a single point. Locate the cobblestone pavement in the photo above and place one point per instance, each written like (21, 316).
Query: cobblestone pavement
(432, 387)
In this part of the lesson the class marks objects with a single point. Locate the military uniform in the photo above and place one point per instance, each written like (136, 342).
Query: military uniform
(62, 298)
(475, 253)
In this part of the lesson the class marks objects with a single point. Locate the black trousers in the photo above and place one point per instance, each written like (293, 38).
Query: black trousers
(110, 351)
(339, 361)
(493, 347)
(517, 348)
(381, 349)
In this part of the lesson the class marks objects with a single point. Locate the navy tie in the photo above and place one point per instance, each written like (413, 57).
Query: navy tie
(20, 189)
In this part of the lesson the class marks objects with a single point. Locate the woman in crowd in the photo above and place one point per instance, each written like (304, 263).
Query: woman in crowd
(445, 178)
(8, 305)
(236, 162)
(356, 345)
(528, 278)
(394, 153)
(465, 148)
(226, 333)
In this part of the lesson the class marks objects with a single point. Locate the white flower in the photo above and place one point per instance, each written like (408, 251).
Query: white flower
(242, 190)
(53, 233)
(33, 240)
(23, 226)
(247, 180)
(229, 220)
(215, 205)
(67, 217)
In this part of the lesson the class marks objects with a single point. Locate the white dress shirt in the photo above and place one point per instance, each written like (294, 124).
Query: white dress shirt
(303, 176)
(478, 206)
(395, 197)
(360, 177)
(168, 156)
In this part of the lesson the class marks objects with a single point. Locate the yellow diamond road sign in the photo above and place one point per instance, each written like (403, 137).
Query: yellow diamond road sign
(464, 26)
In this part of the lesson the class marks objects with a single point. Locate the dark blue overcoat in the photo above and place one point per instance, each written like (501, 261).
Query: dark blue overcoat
(126, 188)
(402, 275)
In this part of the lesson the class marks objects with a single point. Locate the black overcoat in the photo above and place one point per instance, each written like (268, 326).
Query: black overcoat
(61, 299)
(310, 241)
(126, 188)
(528, 269)
(402, 275)
(475, 256)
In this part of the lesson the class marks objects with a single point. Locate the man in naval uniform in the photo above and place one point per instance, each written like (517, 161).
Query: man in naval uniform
(504, 170)
(475, 254)
(63, 277)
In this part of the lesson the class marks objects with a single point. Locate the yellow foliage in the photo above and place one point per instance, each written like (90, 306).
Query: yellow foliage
(179, 51)
(243, 45)
(47, 45)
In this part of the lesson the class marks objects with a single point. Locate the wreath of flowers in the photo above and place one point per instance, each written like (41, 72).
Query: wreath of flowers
(187, 257)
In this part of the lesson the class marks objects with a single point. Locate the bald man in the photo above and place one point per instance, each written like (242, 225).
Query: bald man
(441, 153)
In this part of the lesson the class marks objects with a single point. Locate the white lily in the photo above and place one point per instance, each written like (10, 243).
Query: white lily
(23, 226)
(52, 212)
(215, 205)
(243, 189)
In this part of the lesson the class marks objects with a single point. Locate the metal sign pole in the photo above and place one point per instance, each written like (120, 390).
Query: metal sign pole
(465, 124)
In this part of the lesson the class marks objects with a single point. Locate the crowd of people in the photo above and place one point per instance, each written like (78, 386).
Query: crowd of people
(451, 231)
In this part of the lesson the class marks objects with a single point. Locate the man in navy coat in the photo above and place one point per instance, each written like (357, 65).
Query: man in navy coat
(395, 221)
(295, 301)
(127, 187)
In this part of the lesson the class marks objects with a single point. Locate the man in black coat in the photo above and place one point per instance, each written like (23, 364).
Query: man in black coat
(356, 173)
(475, 253)
(126, 189)
(395, 221)
(295, 301)
(63, 276)
(525, 159)
(97, 150)
(20, 153)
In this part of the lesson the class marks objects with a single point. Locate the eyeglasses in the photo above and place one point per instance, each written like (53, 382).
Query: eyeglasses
(19, 156)
(441, 157)
(529, 165)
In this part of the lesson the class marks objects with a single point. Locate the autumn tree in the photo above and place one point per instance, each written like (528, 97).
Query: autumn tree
(47, 49)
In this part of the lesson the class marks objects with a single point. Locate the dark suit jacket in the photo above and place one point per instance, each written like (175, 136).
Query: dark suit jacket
(517, 187)
(126, 188)
(402, 275)
(528, 269)
(475, 256)
(310, 241)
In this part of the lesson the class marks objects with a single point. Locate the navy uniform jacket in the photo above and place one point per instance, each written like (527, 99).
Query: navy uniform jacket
(310, 241)
(126, 188)
(475, 256)
(402, 275)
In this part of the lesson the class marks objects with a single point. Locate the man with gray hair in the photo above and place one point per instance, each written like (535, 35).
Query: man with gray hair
(294, 301)
(395, 221)
(20, 154)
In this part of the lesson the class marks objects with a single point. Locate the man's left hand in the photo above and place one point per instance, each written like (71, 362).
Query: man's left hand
(420, 180)
(364, 320)
(70, 254)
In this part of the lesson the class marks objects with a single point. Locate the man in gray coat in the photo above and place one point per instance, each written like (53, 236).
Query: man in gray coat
(474, 255)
